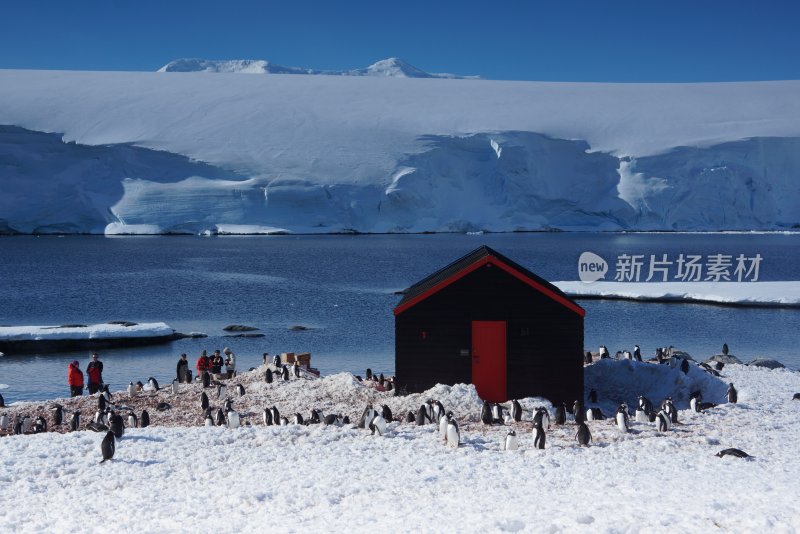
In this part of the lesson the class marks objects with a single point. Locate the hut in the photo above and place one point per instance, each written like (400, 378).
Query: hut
(486, 320)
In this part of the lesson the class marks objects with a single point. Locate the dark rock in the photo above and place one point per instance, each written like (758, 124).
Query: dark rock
(243, 335)
(123, 323)
(765, 362)
(724, 358)
(239, 328)
(299, 328)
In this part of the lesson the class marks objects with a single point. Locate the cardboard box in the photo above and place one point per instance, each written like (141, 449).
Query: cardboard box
(287, 357)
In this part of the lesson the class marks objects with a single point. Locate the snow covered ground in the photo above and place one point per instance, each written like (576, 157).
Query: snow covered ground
(195, 152)
(95, 331)
(743, 294)
(316, 478)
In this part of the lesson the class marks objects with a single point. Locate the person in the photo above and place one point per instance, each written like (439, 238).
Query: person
(182, 369)
(230, 362)
(216, 363)
(94, 373)
(75, 379)
(203, 364)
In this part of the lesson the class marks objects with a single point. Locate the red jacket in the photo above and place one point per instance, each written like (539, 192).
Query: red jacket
(203, 363)
(74, 376)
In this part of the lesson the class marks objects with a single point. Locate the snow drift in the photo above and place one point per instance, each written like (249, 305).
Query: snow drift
(113, 152)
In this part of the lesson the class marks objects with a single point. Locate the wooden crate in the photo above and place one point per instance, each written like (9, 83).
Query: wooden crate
(287, 357)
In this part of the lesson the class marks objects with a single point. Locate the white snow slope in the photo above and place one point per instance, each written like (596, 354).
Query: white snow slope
(332, 479)
(119, 152)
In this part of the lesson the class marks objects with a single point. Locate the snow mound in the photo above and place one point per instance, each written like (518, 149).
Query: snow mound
(624, 380)
(96, 331)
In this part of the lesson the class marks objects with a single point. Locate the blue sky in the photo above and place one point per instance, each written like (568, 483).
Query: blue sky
(569, 40)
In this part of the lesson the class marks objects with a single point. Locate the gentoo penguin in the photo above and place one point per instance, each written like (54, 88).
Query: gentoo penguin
(486, 413)
(106, 393)
(219, 418)
(284, 421)
(345, 420)
(622, 418)
(163, 406)
(583, 435)
(438, 411)
(577, 411)
(222, 391)
(685, 366)
(240, 390)
(276, 361)
(366, 416)
(268, 376)
(107, 446)
(378, 425)
(2, 400)
(115, 425)
(497, 414)
(153, 383)
(204, 403)
(265, 357)
(276, 416)
(267, 417)
(542, 417)
(538, 435)
(3, 421)
(589, 414)
(443, 425)
(133, 422)
(694, 404)
(100, 416)
(206, 379)
(329, 419)
(410, 417)
(510, 443)
(174, 386)
(94, 426)
(209, 420)
(316, 417)
(369, 374)
(453, 436)
(58, 415)
(732, 394)
(227, 405)
(233, 419)
(386, 413)
(662, 421)
(382, 380)
(641, 416)
(516, 410)
(296, 369)
(561, 414)
(670, 410)
(75, 421)
(285, 373)
(732, 452)
(102, 403)
(297, 419)
(593, 397)
(796, 396)
(144, 420)
(429, 410)
(422, 414)
(131, 390)
(17, 425)
(39, 425)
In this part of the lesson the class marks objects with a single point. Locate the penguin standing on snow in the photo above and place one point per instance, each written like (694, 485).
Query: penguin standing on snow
(58, 415)
(422, 414)
(386, 412)
(240, 390)
(276, 416)
(497, 414)
(378, 425)
(732, 394)
(133, 421)
(267, 417)
(516, 410)
(583, 435)
(443, 426)
(561, 414)
(75, 421)
(366, 417)
(453, 436)
(622, 418)
(107, 446)
(232, 419)
(206, 379)
(115, 425)
(219, 419)
(144, 420)
(410, 417)
(511, 443)
(662, 421)
(486, 413)
(3, 421)
(538, 435)
(285, 373)
(577, 411)
(209, 420)
(268, 376)
(131, 390)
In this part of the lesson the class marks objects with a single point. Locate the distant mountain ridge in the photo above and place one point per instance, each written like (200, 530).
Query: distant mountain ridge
(391, 67)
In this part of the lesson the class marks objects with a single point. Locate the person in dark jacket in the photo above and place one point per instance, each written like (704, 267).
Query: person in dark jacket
(94, 373)
(182, 369)
(75, 379)
(216, 363)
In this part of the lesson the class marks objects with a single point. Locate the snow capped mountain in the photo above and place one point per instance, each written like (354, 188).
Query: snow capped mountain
(394, 67)
(117, 152)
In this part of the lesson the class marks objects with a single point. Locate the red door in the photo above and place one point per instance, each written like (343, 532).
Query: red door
(489, 359)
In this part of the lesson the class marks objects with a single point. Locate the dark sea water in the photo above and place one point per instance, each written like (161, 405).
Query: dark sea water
(342, 288)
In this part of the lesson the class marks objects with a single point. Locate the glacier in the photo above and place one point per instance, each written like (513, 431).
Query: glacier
(217, 153)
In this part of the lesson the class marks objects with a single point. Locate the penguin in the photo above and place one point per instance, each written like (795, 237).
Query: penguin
(133, 422)
(329, 419)
(589, 414)
(497, 413)
(17, 425)
(163, 406)
(75, 421)
(443, 426)
(222, 391)
(583, 435)
(131, 390)
(382, 381)
(204, 403)
(644, 404)
(641, 416)
(453, 435)
(285, 373)
(511, 443)
(622, 418)
(486, 413)
(538, 435)
(153, 383)
(366, 417)
(369, 374)
(144, 420)
(227, 405)
(266, 416)
(240, 390)
(39, 425)
(685, 366)
(593, 396)
(545, 418)
(345, 420)
(378, 425)
(94, 426)
(429, 410)
(107, 446)
(101, 417)
(276, 361)
(3, 421)
(422, 414)
(725, 349)
(316, 417)
(670, 410)
(264, 358)
(102, 403)
(276, 416)
(796, 396)
(662, 421)
(297, 419)
(733, 452)
(116, 426)
(209, 420)
(438, 411)
(577, 411)
(206, 379)
(106, 393)
(268, 376)
(296, 369)
(233, 419)
(284, 421)
(694, 404)
(561, 414)
(410, 417)
(58, 415)
(732, 394)
(2, 400)
(174, 386)
(516, 410)
(219, 419)
(386, 413)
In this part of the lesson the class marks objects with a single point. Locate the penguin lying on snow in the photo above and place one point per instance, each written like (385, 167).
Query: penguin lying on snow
(733, 452)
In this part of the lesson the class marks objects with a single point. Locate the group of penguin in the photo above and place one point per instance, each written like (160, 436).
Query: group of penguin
(433, 412)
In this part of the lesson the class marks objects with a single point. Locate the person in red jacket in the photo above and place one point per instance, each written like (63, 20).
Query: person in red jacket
(203, 364)
(75, 379)
(94, 372)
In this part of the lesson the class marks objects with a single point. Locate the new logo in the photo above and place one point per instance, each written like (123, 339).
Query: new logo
(591, 267)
